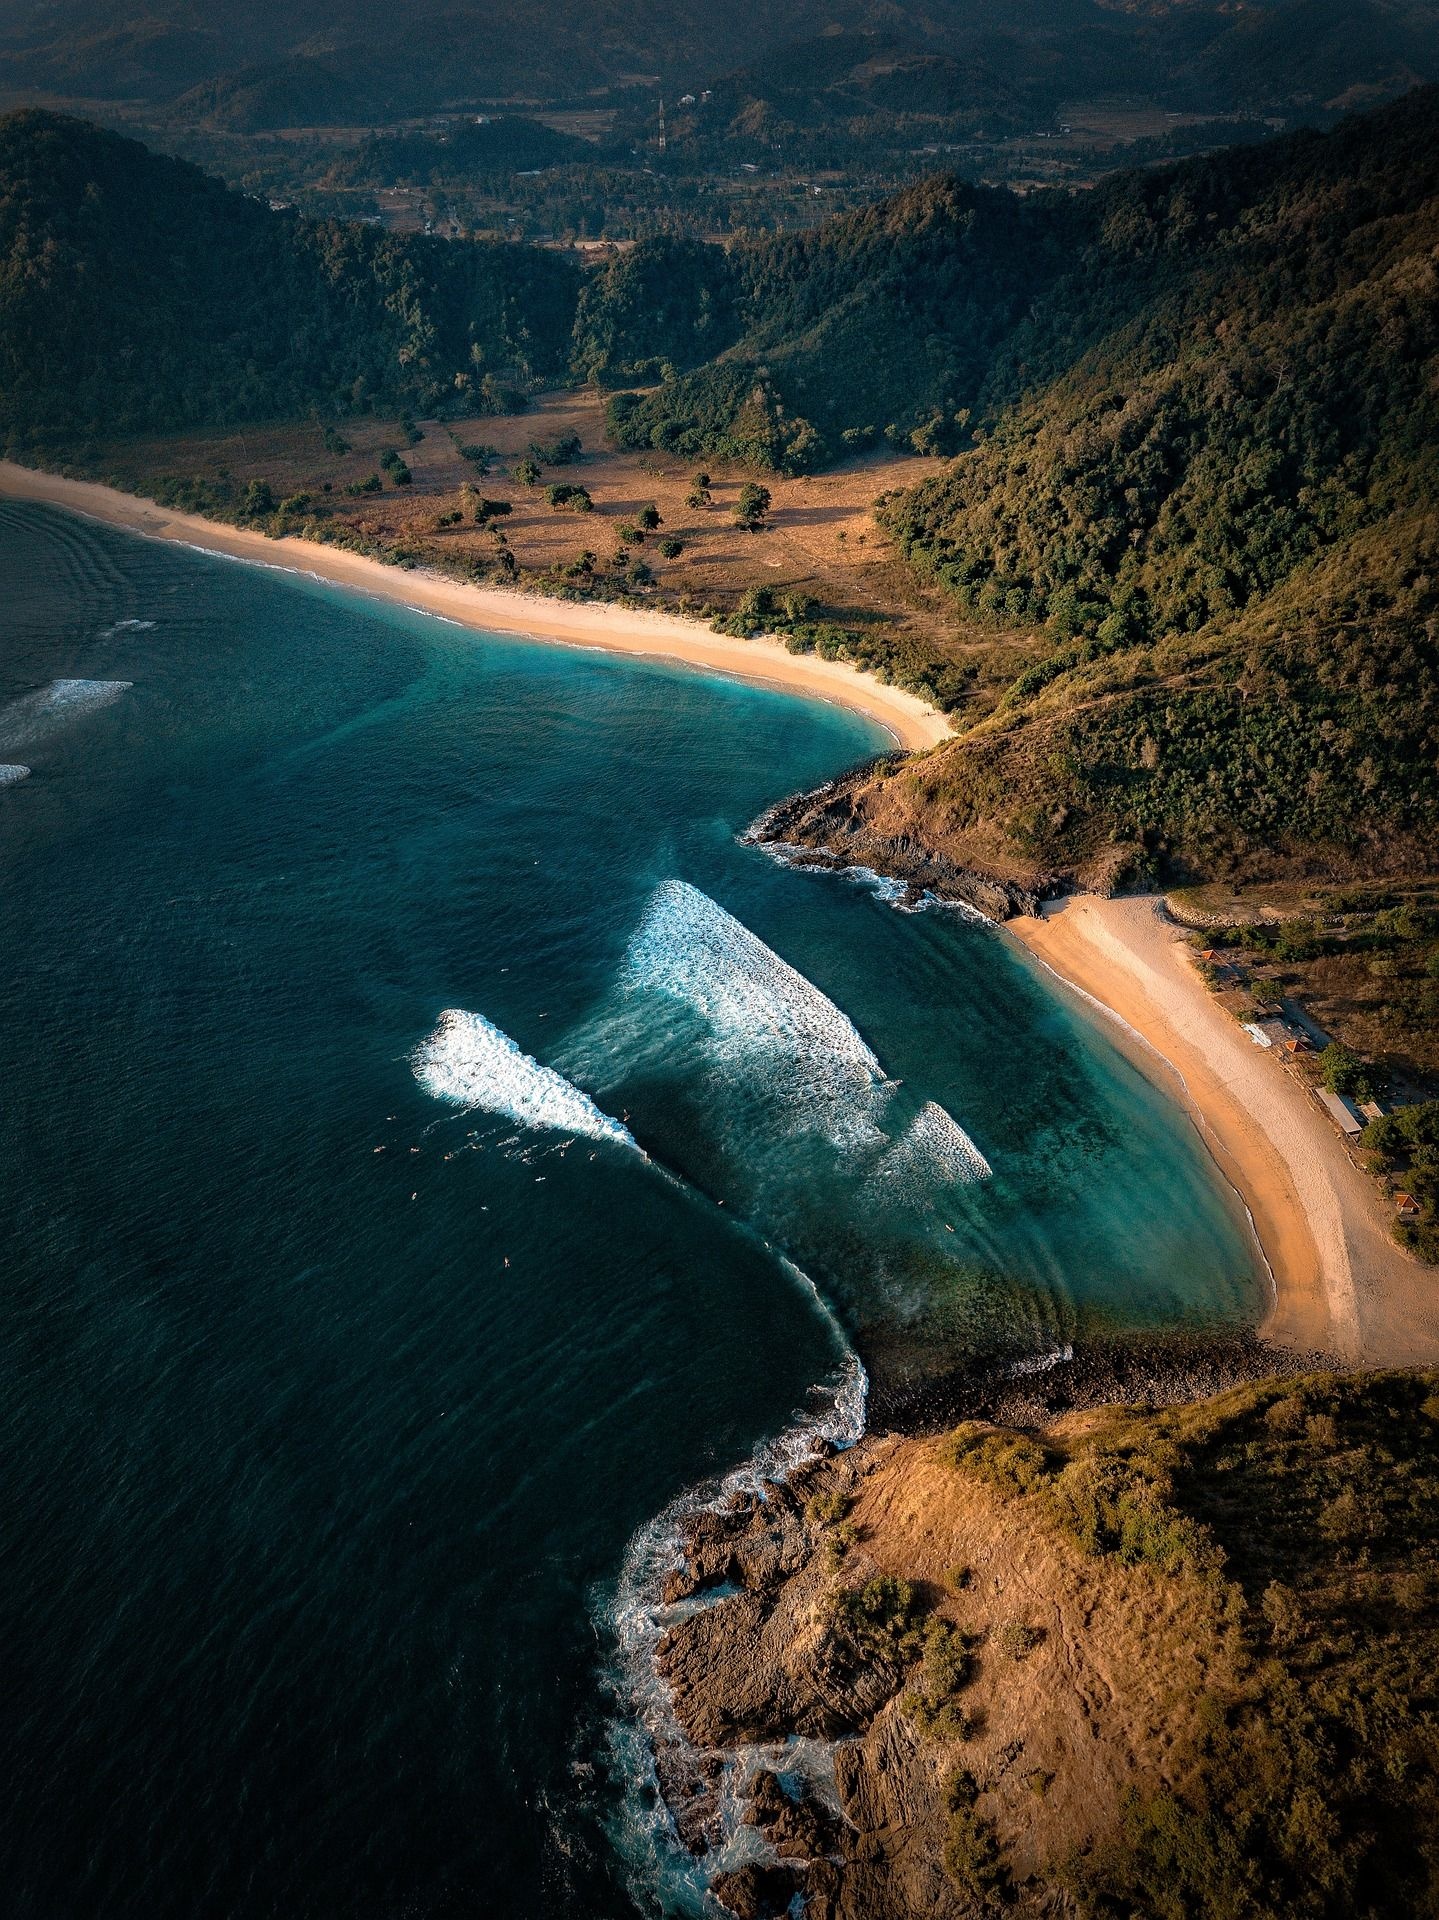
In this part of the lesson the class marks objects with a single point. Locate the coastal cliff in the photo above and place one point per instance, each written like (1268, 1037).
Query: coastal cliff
(877, 816)
(1169, 1661)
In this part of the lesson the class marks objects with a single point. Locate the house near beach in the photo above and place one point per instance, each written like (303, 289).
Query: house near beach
(1406, 1207)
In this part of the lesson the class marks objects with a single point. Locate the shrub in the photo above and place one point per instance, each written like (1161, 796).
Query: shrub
(671, 548)
(885, 1611)
(1017, 1640)
(971, 1843)
(827, 1509)
(574, 499)
(1010, 1461)
(562, 451)
(945, 1668)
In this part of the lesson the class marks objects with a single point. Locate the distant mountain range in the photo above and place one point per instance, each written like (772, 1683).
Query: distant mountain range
(245, 67)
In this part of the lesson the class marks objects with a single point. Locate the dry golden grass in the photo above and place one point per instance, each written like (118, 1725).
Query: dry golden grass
(1106, 1701)
(821, 540)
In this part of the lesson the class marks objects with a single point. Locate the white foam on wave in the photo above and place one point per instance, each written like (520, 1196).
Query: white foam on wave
(757, 1007)
(12, 776)
(934, 1148)
(646, 1724)
(126, 626)
(39, 713)
(899, 894)
(469, 1061)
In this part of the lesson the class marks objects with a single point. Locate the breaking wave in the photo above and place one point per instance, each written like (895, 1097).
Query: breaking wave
(764, 1020)
(757, 1009)
(40, 713)
(933, 1148)
(469, 1061)
(12, 776)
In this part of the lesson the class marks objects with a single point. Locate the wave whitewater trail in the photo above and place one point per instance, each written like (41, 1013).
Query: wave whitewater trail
(766, 1018)
(470, 1062)
(35, 715)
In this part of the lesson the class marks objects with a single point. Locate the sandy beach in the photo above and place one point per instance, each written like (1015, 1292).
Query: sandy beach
(908, 719)
(1341, 1284)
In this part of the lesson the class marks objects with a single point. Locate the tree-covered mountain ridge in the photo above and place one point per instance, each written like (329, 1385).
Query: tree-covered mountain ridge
(1202, 502)
(136, 294)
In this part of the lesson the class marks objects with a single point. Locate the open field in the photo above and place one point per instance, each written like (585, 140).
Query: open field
(820, 542)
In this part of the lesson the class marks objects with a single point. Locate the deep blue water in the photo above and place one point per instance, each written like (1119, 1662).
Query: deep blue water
(321, 1461)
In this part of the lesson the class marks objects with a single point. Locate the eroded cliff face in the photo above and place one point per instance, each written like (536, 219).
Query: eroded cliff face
(915, 1779)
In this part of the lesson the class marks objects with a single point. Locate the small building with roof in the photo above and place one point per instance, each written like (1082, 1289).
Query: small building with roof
(1343, 1112)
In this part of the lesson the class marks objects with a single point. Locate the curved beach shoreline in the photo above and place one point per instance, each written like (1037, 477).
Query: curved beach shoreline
(660, 636)
(1342, 1286)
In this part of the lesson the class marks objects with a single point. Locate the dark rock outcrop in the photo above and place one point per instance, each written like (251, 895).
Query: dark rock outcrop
(831, 827)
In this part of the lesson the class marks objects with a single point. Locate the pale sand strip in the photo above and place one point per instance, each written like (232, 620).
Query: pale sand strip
(499, 610)
(1341, 1283)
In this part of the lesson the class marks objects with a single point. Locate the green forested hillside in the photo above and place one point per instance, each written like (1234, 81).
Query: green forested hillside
(136, 293)
(1235, 372)
(1211, 487)
(886, 320)
(1198, 499)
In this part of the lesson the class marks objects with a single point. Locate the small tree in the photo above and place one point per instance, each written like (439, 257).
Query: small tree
(649, 517)
(1342, 1070)
(753, 505)
(527, 472)
(756, 609)
(672, 548)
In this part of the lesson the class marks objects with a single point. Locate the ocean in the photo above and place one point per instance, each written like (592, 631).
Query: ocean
(432, 1141)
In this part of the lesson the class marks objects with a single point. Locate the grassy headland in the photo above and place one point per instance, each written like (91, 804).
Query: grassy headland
(1170, 1662)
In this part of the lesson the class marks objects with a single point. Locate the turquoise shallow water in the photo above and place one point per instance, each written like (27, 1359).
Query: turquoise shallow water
(323, 1459)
